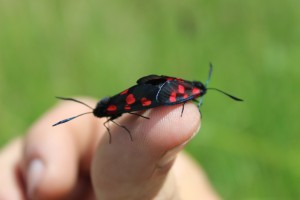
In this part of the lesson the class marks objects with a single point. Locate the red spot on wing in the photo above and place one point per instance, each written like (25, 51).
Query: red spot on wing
(185, 96)
(111, 108)
(180, 89)
(124, 92)
(172, 97)
(196, 91)
(145, 101)
(130, 99)
(127, 107)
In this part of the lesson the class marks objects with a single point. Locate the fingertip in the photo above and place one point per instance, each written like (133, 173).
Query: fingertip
(169, 129)
(50, 168)
(125, 168)
(54, 156)
(172, 132)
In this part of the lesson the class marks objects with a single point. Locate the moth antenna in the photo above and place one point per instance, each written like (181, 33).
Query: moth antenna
(209, 74)
(69, 119)
(229, 95)
(71, 99)
(206, 83)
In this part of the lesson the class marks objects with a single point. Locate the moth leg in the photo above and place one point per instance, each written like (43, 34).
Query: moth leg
(182, 109)
(108, 130)
(139, 115)
(124, 127)
(199, 103)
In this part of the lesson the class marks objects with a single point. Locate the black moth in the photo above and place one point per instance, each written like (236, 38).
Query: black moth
(149, 92)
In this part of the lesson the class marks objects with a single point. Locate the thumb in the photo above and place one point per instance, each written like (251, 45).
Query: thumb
(138, 169)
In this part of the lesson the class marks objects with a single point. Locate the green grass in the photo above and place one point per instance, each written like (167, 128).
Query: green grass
(250, 150)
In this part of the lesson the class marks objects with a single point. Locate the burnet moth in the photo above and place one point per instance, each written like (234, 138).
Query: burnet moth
(149, 92)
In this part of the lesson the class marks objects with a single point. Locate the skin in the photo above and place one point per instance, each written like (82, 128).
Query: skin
(75, 160)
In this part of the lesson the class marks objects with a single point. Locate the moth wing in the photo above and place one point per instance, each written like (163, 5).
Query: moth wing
(147, 79)
(174, 92)
(136, 98)
(154, 79)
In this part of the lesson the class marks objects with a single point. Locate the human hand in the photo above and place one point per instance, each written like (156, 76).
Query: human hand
(75, 160)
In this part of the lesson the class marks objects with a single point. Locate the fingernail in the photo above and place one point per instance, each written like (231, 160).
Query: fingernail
(170, 155)
(34, 175)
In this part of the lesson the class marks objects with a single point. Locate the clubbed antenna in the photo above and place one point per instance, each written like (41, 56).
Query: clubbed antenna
(209, 74)
(71, 118)
(206, 83)
(229, 95)
(71, 99)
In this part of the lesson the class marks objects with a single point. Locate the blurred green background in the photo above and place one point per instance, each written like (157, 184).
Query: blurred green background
(249, 150)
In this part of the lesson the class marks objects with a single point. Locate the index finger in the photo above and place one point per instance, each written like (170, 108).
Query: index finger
(55, 155)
